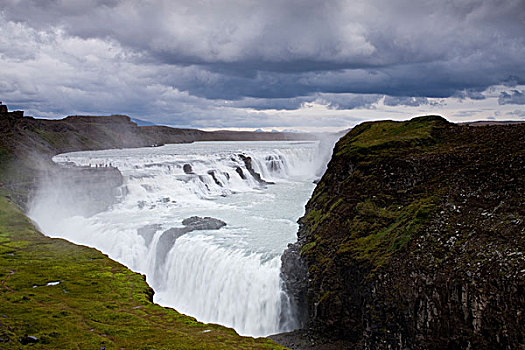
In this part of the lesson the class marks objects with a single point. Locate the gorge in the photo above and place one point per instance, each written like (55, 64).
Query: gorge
(227, 275)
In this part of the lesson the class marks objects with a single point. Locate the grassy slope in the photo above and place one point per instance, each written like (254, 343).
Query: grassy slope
(98, 302)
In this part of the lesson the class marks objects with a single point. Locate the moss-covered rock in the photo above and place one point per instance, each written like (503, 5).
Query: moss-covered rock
(414, 237)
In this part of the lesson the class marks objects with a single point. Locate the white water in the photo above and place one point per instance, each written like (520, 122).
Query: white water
(228, 276)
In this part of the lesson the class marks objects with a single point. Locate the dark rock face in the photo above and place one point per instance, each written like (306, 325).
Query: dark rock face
(167, 240)
(414, 238)
(168, 237)
(295, 284)
(240, 172)
(187, 169)
(214, 177)
(248, 164)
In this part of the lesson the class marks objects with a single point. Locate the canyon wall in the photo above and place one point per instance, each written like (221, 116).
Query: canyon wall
(414, 238)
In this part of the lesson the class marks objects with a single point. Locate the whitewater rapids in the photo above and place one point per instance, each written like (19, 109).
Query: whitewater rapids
(228, 276)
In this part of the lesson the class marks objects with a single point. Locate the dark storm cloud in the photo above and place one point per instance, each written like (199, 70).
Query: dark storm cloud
(183, 59)
(470, 93)
(515, 97)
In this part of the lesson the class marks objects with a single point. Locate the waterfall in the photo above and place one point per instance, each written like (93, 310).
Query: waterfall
(228, 276)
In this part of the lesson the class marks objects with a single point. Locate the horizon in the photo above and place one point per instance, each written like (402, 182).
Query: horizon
(305, 66)
(328, 130)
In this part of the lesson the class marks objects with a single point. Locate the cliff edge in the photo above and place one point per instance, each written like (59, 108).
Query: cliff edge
(414, 238)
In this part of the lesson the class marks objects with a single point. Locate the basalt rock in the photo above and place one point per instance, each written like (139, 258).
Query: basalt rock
(249, 166)
(168, 237)
(167, 240)
(203, 223)
(414, 239)
(295, 285)
(213, 175)
(240, 172)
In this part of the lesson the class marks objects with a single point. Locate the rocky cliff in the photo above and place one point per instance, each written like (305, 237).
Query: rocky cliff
(414, 238)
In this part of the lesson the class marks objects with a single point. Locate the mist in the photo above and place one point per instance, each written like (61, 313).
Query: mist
(206, 222)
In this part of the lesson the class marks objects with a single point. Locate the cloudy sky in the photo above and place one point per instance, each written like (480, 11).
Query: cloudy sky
(284, 64)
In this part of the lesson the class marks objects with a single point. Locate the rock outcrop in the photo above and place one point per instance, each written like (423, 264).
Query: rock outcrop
(203, 223)
(148, 232)
(168, 237)
(414, 238)
(248, 163)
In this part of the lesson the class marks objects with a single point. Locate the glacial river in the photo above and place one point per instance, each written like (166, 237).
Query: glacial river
(228, 276)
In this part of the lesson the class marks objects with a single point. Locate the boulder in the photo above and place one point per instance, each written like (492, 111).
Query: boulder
(29, 339)
(203, 223)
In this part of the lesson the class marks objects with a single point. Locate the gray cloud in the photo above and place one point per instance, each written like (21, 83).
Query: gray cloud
(192, 64)
(405, 101)
(518, 113)
(515, 97)
(470, 93)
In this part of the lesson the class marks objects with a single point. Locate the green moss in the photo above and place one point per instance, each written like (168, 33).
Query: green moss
(324, 296)
(376, 247)
(352, 209)
(378, 135)
(308, 247)
(336, 204)
(314, 218)
(97, 303)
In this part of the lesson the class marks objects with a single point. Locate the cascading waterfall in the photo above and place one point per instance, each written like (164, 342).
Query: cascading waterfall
(228, 276)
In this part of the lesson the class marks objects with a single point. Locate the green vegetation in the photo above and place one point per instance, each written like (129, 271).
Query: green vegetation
(368, 221)
(377, 245)
(97, 302)
(371, 136)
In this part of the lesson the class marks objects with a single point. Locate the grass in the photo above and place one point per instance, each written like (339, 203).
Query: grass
(97, 302)
(367, 137)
